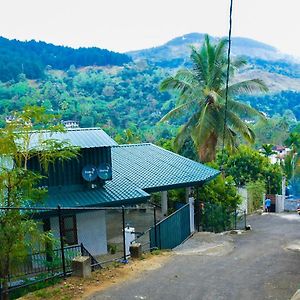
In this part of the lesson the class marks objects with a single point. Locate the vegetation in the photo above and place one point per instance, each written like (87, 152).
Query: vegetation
(32, 58)
(19, 186)
(248, 165)
(255, 192)
(201, 100)
(221, 190)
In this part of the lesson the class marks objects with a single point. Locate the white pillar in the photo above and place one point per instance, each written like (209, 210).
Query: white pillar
(187, 194)
(283, 187)
(192, 214)
(164, 203)
(129, 237)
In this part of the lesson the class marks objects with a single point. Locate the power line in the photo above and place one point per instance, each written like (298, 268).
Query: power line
(227, 81)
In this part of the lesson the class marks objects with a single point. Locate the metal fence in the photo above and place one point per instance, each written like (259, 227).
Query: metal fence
(218, 218)
(171, 231)
(104, 234)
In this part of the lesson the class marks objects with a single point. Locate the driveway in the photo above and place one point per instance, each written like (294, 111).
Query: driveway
(256, 266)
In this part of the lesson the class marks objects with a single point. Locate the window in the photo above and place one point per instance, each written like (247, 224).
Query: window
(69, 230)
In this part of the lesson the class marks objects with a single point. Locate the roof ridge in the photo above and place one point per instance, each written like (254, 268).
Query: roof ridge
(132, 145)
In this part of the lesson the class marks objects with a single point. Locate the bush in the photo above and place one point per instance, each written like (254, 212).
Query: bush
(255, 195)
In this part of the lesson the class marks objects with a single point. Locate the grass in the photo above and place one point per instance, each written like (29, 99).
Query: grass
(38, 287)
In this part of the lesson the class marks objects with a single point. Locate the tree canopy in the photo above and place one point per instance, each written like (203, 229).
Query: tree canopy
(201, 100)
(19, 186)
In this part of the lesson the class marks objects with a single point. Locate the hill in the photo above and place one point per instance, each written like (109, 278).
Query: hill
(179, 48)
(124, 94)
(262, 58)
(32, 58)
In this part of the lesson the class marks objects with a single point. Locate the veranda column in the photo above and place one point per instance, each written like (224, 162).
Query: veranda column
(164, 203)
(187, 194)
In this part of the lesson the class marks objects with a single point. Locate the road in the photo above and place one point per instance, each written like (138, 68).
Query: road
(258, 266)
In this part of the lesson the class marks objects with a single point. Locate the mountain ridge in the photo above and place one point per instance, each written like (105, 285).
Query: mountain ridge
(178, 47)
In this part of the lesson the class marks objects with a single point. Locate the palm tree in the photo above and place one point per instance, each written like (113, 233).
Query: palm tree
(267, 150)
(201, 100)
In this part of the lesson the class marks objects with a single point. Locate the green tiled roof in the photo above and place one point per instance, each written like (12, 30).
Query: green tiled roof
(116, 192)
(137, 170)
(81, 137)
(155, 169)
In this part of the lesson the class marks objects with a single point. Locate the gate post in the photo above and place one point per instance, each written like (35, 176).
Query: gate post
(192, 214)
(62, 246)
(124, 242)
(164, 203)
(155, 228)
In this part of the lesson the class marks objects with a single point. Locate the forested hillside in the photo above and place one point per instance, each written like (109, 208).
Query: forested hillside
(32, 58)
(117, 93)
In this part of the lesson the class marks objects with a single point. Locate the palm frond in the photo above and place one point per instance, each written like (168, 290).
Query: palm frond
(185, 131)
(247, 86)
(199, 60)
(241, 108)
(238, 125)
(176, 112)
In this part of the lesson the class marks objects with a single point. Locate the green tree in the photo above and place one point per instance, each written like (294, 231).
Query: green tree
(267, 150)
(201, 100)
(20, 141)
(248, 165)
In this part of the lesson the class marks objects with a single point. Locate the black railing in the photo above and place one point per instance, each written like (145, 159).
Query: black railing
(217, 218)
(45, 263)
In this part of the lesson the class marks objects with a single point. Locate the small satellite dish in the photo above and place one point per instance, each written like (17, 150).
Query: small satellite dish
(89, 173)
(104, 171)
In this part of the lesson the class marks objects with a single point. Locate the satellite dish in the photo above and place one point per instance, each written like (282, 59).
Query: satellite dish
(89, 173)
(104, 171)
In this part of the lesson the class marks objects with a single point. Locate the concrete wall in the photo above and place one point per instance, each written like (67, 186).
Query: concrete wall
(279, 203)
(91, 231)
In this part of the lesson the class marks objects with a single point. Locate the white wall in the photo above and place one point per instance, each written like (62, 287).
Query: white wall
(91, 231)
(279, 203)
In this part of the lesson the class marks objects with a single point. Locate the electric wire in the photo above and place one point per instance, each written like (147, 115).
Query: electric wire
(227, 82)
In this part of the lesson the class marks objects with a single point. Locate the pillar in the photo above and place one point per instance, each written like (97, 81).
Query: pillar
(164, 203)
(187, 194)
(192, 214)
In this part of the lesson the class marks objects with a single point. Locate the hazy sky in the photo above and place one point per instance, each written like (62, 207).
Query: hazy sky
(123, 25)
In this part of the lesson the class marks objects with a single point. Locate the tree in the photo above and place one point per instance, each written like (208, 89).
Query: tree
(20, 141)
(221, 190)
(247, 165)
(201, 100)
(267, 150)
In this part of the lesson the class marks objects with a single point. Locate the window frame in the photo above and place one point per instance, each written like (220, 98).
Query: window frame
(73, 229)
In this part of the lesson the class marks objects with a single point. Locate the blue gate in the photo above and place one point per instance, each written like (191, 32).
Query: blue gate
(171, 231)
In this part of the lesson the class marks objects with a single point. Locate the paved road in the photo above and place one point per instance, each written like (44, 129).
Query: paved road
(259, 267)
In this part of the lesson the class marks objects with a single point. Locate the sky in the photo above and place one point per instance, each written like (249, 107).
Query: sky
(123, 25)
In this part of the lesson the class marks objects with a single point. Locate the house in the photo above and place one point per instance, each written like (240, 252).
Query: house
(280, 153)
(106, 174)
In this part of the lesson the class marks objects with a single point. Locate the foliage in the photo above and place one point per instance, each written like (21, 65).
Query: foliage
(267, 150)
(274, 103)
(273, 130)
(19, 186)
(221, 190)
(39, 289)
(32, 58)
(201, 101)
(248, 165)
(255, 195)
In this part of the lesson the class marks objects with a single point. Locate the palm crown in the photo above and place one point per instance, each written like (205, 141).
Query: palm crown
(201, 98)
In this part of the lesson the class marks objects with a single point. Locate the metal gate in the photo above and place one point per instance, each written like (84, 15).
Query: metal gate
(171, 231)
